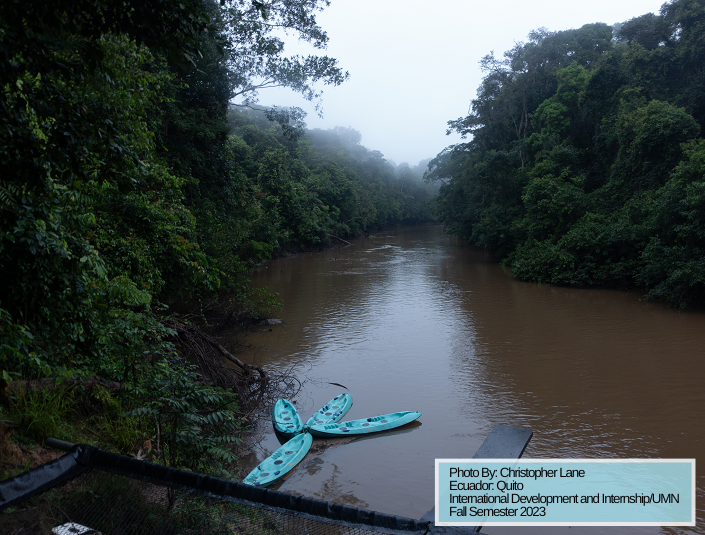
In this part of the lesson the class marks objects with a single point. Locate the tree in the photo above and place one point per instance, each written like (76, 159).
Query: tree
(73, 128)
(255, 54)
(650, 31)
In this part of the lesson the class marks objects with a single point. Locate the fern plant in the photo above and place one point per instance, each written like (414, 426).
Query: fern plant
(194, 423)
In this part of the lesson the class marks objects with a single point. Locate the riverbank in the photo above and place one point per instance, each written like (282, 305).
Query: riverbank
(190, 405)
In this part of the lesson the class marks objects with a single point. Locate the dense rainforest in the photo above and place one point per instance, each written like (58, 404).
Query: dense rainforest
(586, 162)
(135, 198)
(140, 182)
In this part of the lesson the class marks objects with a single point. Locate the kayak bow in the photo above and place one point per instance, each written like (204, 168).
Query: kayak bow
(331, 412)
(285, 418)
(281, 462)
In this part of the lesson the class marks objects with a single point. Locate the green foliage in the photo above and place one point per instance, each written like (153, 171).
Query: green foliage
(123, 188)
(673, 262)
(56, 239)
(255, 53)
(596, 250)
(261, 303)
(602, 165)
(551, 118)
(484, 201)
(115, 428)
(17, 350)
(93, 224)
(194, 422)
(41, 413)
(122, 291)
(553, 204)
(650, 138)
(322, 185)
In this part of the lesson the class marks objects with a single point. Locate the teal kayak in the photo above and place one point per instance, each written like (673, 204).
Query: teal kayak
(364, 426)
(281, 462)
(331, 412)
(285, 418)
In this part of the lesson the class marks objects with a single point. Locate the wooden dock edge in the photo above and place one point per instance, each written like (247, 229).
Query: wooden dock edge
(504, 442)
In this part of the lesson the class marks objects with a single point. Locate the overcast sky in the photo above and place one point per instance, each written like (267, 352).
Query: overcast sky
(414, 64)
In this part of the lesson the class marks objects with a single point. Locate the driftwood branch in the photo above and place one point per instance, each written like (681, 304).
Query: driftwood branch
(186, 329)
(257, 388)
(232, 358)
(341, 239)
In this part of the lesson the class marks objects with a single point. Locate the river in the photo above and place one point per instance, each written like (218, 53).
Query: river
(411, 319)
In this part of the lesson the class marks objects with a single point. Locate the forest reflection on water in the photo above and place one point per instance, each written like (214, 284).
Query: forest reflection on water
(413, 320)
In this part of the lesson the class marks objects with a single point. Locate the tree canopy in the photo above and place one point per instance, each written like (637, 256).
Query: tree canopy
(575, 170)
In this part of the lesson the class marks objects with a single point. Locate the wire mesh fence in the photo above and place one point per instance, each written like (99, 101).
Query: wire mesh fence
(100, 502)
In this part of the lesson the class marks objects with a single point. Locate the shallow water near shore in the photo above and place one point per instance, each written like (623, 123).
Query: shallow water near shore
(414, 320)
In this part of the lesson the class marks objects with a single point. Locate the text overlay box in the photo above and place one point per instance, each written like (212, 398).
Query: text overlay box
(565, 492)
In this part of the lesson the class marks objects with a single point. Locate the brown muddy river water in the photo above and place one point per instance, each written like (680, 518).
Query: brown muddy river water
(414, 320)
